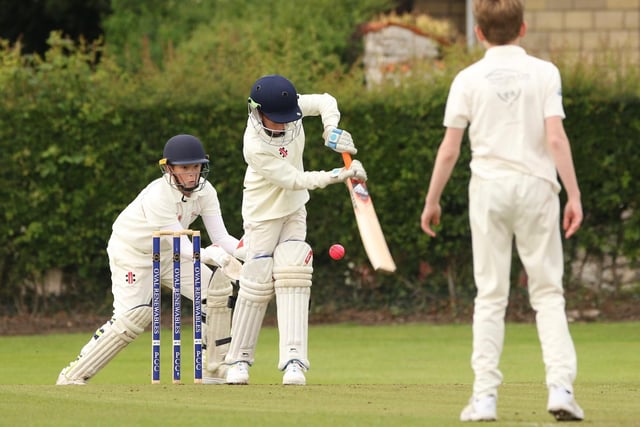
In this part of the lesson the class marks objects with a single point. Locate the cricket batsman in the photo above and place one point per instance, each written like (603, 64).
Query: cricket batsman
(276, 188)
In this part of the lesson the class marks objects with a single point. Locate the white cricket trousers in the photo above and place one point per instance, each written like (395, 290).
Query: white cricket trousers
(527, 208)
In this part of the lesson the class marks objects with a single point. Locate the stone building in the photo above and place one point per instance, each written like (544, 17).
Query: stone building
(390, 49)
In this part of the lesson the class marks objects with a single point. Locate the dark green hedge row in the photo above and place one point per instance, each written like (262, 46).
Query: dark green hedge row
(66, 175)
(79, 141)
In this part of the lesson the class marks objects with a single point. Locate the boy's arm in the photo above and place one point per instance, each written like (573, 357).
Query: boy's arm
(560, 149)
(446, 159)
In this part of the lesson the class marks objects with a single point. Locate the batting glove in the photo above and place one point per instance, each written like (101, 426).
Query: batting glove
(359, 173)
(320, 179)
(355, 171)
(339, 140)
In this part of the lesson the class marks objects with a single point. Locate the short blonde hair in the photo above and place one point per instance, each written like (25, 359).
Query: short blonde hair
(499, 20)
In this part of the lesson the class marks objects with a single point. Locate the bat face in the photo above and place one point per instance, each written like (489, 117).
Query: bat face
(370, 231)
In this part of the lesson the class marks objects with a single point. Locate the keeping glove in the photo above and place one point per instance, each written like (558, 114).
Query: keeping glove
(215, 255)
(339, 140)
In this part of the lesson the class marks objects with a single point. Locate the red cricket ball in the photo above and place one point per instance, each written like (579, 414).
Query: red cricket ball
(336, 251)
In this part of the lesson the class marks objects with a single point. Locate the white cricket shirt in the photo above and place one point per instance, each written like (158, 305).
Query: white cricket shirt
(274, 180)
(159, 206)
(505, 98)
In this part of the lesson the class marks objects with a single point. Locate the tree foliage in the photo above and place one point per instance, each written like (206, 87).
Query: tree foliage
(232, 34)
(30, 21)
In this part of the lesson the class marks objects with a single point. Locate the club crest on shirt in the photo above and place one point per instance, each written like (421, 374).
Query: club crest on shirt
(283, 152)
(507, 84)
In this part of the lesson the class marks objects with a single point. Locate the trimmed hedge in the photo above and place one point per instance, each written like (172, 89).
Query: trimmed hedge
(79, 143)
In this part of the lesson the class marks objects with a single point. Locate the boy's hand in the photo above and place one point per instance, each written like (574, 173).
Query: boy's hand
(339, 140)
(430, 215)
(572, 217)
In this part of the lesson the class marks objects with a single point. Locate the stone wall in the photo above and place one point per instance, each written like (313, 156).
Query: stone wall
(583, 29)
(575, 29)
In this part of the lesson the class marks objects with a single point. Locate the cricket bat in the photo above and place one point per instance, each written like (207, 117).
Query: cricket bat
(370, 231)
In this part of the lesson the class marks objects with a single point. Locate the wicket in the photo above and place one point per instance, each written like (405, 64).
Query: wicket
(176, 307)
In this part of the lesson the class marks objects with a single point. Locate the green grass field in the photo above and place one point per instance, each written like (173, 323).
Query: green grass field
(400, 375)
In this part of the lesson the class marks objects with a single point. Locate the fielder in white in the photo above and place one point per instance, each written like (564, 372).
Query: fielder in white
(171, 202)
(512, 103)
(278, 260)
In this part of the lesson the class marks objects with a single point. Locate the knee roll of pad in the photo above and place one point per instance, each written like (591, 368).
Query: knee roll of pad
(256, 281)
(293, 264)
(255, 292)
(132, 323)
(219, 290)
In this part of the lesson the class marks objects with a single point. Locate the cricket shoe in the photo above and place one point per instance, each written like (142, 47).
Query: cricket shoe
(213, 380)
(480, 409)
(215, 377)
(563, 406)
(64, 380)
(238, 373)
(294, 374)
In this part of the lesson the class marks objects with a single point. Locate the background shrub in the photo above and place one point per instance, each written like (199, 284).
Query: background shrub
(82, 129)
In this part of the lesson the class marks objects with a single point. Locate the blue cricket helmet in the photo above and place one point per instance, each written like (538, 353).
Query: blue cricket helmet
(275, 97)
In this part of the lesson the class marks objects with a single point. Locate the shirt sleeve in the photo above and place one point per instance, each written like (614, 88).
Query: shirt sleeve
(323, 105)
(457, 111)
(282, 174)
(218, 233)
(553, 95)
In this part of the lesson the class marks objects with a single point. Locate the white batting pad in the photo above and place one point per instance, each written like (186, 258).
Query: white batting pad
(293, 260)
(217, 328)
(256, 290)
(107, 342)
(292, 272)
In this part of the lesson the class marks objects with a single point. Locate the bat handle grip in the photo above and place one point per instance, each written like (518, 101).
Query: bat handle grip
(346, 157)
